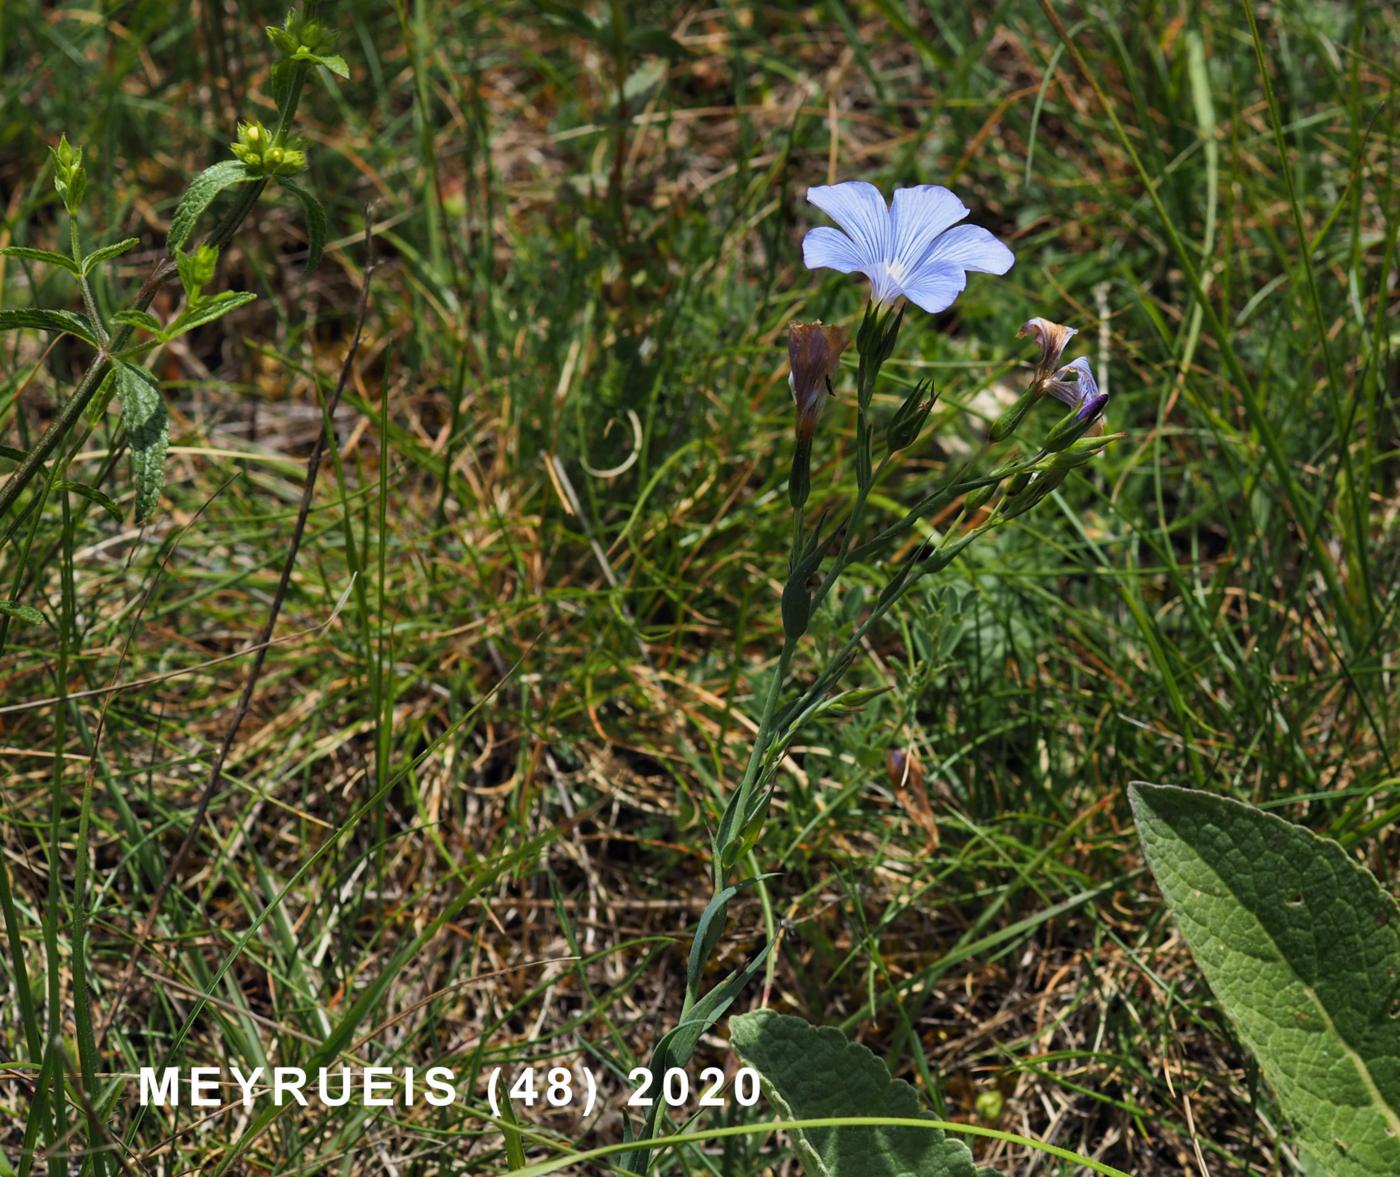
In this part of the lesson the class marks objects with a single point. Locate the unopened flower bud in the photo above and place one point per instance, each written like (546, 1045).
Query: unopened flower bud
(1052, 338)
(1068, 460)
(66, 156)
(292, 161)
(975, 500)
(1044, 482)
(1010, 421)
(1075, 425)
(70, 177)
(257, 148)
(904, 426)
(284, 40)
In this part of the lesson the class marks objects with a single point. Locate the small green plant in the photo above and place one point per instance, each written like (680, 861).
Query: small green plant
(1302, 948)
(125, 343)
(70, 1111)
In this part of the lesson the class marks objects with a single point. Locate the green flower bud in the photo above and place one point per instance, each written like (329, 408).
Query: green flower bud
(70, 177)
(904, 427)
(196, 269)
(66, 156)
(257, 147)
(253, 140)
(289, 161)
(1068, 460)
(1029, 496)
(285, 41)
(1010, 421)
(989, 1106)
(975, 500)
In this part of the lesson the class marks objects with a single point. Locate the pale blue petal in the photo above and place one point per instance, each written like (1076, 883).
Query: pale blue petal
(972, 248)
(827, 248)
(935, 287)
(858, 208)
(920, 215)
(1074, 384)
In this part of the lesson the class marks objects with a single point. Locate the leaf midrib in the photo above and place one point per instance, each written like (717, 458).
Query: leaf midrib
(1390, 1114)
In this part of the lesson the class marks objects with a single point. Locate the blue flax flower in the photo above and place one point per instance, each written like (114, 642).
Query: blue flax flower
(915, 249)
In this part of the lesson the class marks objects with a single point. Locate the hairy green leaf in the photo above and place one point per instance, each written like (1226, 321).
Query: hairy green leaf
(332, 61)
(141, 319)
(209, 309)
(809, 1073)
(147, 432)
(22, 612)
(1302, 948)
(108, 252)
(15, 318)
(47, 256)
(316, 224)
(200, 194)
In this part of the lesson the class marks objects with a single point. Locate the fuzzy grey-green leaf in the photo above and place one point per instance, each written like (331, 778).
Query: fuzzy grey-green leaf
(316, 224)
(47, 256)
(147, 431)
(209, 309)
(21, 612)
(1302, 948)
(108, 252)
(810, 1073)
(43, 319)
(200, 194)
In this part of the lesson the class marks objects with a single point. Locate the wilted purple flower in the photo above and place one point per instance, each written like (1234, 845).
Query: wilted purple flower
(911, 249)
(1052, 338)
(814, 353)
(1074, 384)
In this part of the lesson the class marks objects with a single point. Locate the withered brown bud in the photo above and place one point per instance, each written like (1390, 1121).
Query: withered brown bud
(1053, 338)
(904, 769)
(814, 352)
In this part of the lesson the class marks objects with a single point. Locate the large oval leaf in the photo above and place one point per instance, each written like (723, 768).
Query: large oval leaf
(810, 1072)
(147, 433)
(1302, 949)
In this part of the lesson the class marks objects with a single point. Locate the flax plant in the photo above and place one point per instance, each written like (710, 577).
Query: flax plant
(914, 253)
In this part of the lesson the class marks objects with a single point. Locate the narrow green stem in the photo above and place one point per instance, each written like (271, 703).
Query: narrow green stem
(99, 329)
(761, 741)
